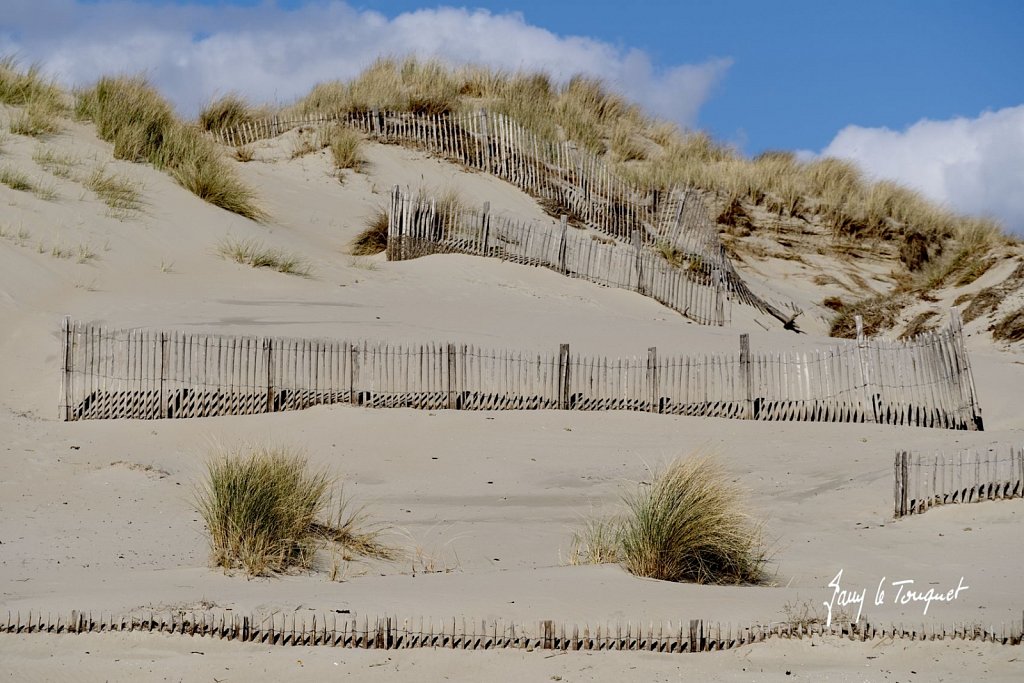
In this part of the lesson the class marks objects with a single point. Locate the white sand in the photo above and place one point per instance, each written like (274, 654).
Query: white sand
(97, 515)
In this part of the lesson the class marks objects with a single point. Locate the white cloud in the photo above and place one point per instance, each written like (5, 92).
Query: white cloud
(975, 166)
(272, 54)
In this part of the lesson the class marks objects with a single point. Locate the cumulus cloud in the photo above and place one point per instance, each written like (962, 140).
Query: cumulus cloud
(273, 54)
(974, 165)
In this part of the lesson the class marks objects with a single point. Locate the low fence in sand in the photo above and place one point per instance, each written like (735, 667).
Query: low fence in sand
(392, 633)
(569, 179)
(150, 374)
(418, 227)
(924, 481)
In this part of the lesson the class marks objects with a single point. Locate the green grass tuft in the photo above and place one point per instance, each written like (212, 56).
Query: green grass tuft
(346, 147)
(686, 525)
(263, 508)
(254, 253)
(132, 115)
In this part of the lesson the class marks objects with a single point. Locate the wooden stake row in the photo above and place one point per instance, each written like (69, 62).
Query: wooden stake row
(148, 374)
(312, 629)
(922, 481)
(558, 173)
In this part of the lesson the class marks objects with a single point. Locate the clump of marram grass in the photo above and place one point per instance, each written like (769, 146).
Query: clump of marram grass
(879, 314)
(346, 147)
(688, 525)
(1011, 327)
(20, 86)
(37, 119)
(374, 238)
(132, 115)
(16, 180)
(226, 112)
(254, 253)
(116, 192)
(57, 163)
(263, 508)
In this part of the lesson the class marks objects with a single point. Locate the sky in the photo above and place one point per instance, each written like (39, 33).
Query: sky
(929, 93)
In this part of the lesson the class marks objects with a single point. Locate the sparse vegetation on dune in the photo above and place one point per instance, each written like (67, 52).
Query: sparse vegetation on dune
(264, 508)
(254, 253)
(374, 238)
(936, 246)
(116, 192)
(227, 112)
(16, 180)
(346, 147)
(879, 314)
(688, 524)
(1011, 327)
(132, 115)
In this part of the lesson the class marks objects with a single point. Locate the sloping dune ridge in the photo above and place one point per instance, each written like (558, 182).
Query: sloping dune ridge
(99, 515)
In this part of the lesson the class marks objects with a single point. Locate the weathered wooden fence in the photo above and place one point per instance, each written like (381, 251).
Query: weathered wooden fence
(151, 374)
(418, 227)
(392, 633)
(923, 481)
(572, 180)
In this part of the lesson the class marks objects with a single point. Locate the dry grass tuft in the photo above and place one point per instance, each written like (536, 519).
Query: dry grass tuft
(1011, 327)
(687, 525)
(38, 119)
(116, 192)
(256, 254)
(229, 111)
(597, 542)
(57, 163)
(919, 325)
(262, 508)
(20, 86)
(244, 154)
(879, 313)
(345, 144)
(132, 115)
(373, 239)
(16, 180)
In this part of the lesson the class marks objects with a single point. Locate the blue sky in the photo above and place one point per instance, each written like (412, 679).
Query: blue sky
(929, 93)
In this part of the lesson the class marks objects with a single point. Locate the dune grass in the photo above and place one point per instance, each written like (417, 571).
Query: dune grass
(1011, 327)
(374, 238)
(263, 508)
(688, 525)
(254, 253)
(229, 111)
(116, 192)
(139, 122)
(829, 192)
(56, 162)
(878, 312)
(346, 147)
(17, 180)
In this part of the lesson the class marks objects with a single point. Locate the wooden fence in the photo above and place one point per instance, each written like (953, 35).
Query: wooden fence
(391, 633)
(418, 227)
(569, 179)
(924, 481)
(152, 374)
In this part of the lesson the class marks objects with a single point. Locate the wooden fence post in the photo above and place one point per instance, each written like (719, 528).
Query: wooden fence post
(452, 381)
(635, 237)
(485, 228)
(485, 159)
(268, 350)
(163, 374)
(375, 119)
(975, 423)
(897, 492)
(865, 373)
(353, 374)
(563, 377)
(748, 377)
(561, 244)
(65, 383)
(695, 635)
(902, 467)
(653, 379)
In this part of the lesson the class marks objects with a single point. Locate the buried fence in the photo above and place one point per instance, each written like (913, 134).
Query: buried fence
(924, 481)
(152, 374)
(568, 179)
(390, 633)
(417, 227)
